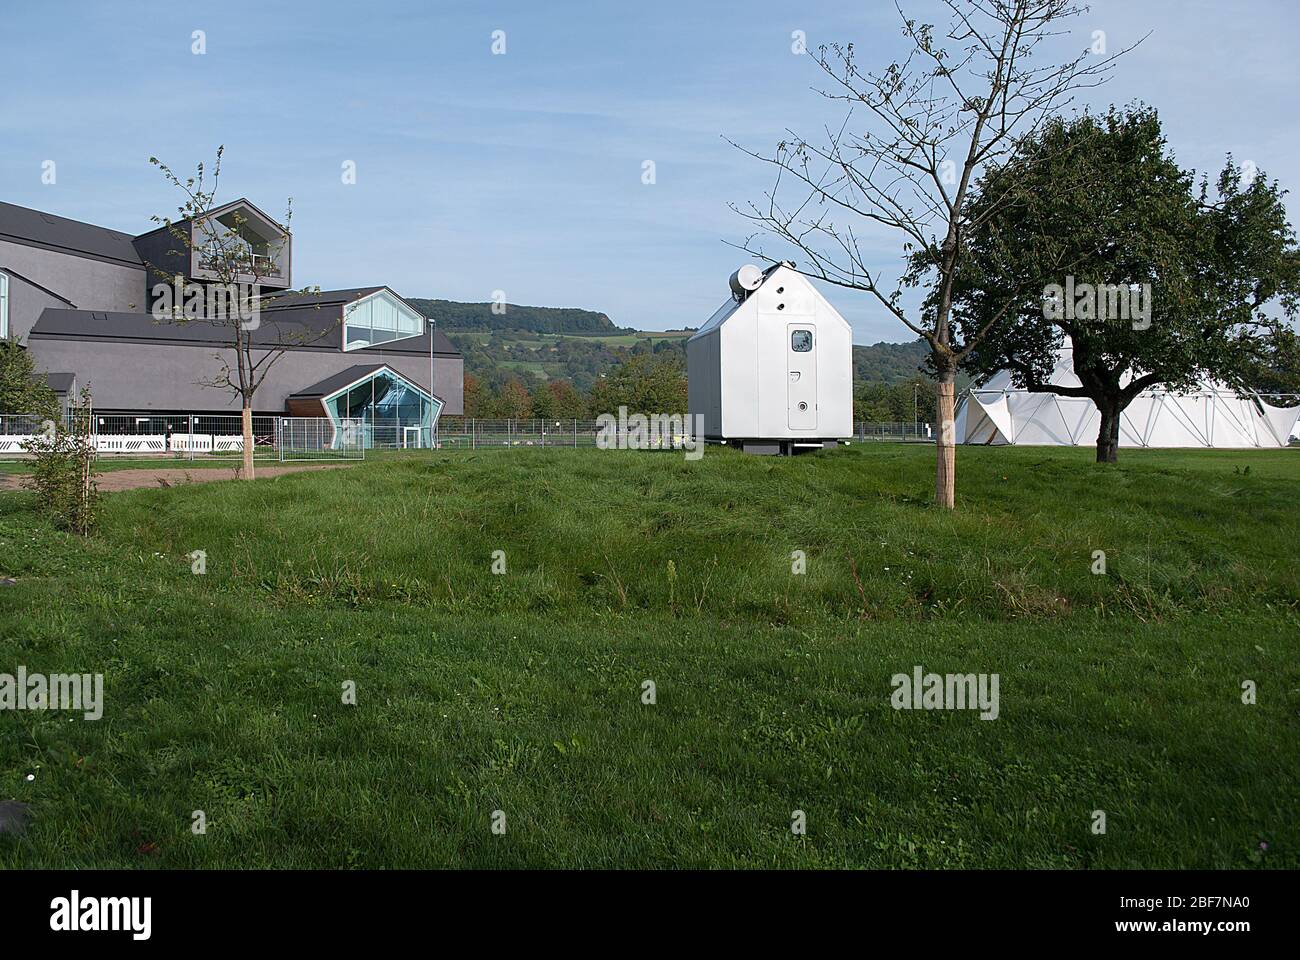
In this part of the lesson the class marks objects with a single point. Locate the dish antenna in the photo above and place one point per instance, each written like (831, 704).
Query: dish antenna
(745, 281)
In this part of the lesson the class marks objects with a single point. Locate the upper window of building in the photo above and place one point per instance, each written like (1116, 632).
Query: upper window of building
(378, 319)
(4, 306)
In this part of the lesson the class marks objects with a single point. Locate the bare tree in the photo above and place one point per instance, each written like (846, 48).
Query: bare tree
(232, 301)
(908, 158)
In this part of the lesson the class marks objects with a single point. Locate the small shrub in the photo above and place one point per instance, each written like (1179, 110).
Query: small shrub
(62, 476)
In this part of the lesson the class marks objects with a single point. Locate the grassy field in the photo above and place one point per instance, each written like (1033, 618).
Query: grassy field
(522, 692)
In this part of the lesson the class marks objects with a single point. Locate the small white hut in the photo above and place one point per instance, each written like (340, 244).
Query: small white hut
(772, 370)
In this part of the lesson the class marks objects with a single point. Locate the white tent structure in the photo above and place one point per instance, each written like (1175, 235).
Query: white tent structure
(1213, 415)
(772, 370)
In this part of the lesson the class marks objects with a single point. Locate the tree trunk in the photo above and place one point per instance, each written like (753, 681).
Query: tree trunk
(247, 416)
(945, 480)
(1108, 434)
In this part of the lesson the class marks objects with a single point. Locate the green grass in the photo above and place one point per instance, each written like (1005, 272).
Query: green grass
(522, 692)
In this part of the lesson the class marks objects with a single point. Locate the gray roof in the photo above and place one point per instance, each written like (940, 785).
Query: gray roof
(92, 325)
(33, 227)
(330, 303)
(301, 327)
(217, 211)
(319, 298)
(14, 274)
(61, 382)
(337, 381)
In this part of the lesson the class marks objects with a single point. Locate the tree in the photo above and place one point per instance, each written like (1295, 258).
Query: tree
(1169, 284)
(22, 389)
(515, 403)
(239, 275)
(932, 122)
(543, 402)
(476, 397)
(644, 383)
(569, 404)
(1275, 369)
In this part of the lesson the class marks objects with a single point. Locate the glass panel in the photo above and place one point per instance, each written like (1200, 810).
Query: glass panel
(409, 323)
(388, 405)
(384, 316)
(358, 337)
(4, 306)
(359, 314)
(801, 341)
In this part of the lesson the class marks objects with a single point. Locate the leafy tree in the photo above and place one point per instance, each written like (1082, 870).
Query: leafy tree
(22, 389)
(543, 402)
(1166, 284)
(904, 402)
(515, 402)
(476, 397)
(568, 402)
(644, 384)
(1275, 368)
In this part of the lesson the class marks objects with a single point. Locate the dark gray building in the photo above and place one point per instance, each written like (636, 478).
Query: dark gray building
(84, 301)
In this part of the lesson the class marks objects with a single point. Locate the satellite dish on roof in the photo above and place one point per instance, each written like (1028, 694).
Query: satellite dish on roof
(746, 280)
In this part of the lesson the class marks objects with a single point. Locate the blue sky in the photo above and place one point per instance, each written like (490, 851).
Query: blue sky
(523, 172)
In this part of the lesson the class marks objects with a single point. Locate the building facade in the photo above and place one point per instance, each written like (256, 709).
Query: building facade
(83, 299)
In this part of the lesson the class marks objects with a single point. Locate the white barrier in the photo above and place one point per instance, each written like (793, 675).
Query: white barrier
(191, 443)
(128, 443)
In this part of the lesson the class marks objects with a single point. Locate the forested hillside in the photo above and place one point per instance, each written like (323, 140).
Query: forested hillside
(479, 316)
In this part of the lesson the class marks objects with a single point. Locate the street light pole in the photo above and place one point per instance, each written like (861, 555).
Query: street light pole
(433, 333)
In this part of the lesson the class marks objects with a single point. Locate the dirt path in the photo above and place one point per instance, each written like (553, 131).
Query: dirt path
(112, 481)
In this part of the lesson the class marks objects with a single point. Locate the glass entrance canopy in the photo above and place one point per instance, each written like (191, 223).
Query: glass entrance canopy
(394, 411)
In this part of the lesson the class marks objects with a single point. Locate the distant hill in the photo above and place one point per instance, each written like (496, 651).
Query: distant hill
(479, 316)
(542, 343)
(889, 362)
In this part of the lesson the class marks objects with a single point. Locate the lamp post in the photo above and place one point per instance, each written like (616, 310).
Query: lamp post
(433, 332)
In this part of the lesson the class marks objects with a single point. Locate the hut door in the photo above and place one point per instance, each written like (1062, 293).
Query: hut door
(801, 373)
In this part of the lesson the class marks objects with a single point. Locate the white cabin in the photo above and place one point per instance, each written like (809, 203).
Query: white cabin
(772, 370)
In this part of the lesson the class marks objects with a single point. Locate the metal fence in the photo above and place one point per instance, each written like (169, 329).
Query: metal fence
(219, 437)
(913, 431)
(319, 438)
(194, 437)
(472, 433)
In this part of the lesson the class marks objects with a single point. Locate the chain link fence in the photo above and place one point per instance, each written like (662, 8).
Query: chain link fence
(901, 431)
(219, 437)
(471, 433)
